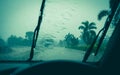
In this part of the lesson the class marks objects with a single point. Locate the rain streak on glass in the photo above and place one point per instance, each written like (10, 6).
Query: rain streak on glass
(67, 30)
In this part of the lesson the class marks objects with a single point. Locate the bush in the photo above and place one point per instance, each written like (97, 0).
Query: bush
(80, 47)
(4, 47)
(13, 40)
(71, 40)
(85, 48)
(2, 42)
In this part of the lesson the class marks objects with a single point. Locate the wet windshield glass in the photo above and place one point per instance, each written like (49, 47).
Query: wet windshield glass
(67, 30)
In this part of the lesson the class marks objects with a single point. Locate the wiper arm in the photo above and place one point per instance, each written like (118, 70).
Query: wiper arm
(36, 31)
(91, 47)
(116, 5)
(104, 29)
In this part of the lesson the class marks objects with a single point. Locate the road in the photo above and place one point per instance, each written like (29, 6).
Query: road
(55, 53)
(59, 53)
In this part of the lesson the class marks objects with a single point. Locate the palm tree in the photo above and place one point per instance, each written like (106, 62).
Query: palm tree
(104, 13)
(88, 33)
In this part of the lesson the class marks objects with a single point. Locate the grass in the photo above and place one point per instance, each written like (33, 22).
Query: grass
(5, 49)
(85, 47)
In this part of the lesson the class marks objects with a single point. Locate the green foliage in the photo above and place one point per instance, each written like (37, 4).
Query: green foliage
(71, 40)
(61, 43)
(29, 38)
(102, 14)
(3, 47)
(88, 33)
(13, 40)
(2, 42)
(81, 47)
(29, 35)
(85, 48)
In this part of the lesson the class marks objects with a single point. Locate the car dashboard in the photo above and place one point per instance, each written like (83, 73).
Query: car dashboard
(48, 67)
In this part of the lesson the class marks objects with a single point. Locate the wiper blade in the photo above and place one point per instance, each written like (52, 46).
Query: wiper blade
(88, 52)
(107, 25)
(36, 31)
(105, 29)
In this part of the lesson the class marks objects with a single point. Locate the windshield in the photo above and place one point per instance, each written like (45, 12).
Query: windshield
(67, 30)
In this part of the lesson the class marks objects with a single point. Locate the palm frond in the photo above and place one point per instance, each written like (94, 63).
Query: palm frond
(102, 14)
(92, 24)
(92, 27)
(93, 32)
(86, 23)
(81, 27)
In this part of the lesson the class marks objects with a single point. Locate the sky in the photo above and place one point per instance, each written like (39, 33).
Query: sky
(60, 16)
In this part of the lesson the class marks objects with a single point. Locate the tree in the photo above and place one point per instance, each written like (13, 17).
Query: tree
(29, 35)
(88, 33)
(15, 41)
(20, 41)
(104, 13)
(3, 47)
(29, 38)
(2, 42)
(71, 40)
(61, 43)
(12, 40)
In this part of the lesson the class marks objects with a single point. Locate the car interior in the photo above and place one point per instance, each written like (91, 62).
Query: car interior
(58, 40)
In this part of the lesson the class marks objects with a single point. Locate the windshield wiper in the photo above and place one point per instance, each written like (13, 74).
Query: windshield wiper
(104, 29)
(116, 5)
(36, 31)
(91, 47)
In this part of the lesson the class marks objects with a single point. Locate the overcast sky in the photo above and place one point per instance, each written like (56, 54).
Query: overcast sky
(60, 16)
